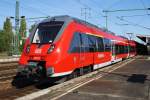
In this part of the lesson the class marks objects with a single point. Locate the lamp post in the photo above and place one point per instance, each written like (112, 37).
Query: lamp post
(15, 46)
(16, 36)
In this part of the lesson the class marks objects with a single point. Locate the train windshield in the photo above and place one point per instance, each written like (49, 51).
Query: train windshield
(46, 32)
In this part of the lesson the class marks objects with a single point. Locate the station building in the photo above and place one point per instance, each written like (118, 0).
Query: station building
(146, 39)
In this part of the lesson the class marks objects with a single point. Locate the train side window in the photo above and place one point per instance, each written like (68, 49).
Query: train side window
(132, 49)
(100, 45)
(117, 49)
(121, 49)
(75, 43)
(92, 43)
(84, 43)
(126, 49)
(107, 44)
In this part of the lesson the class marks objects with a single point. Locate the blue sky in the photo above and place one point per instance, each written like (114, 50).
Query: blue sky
(41, 8)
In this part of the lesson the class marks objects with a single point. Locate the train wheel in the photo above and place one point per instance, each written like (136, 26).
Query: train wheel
(81, 71)
(90, 68)
(72, 75)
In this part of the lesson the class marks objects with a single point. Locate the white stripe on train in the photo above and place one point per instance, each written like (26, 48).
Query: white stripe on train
(96, 66)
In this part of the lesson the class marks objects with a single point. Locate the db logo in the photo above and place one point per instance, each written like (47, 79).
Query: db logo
(100, 55)
(38, 50)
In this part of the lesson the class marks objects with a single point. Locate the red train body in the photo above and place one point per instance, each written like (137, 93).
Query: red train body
(60, 45)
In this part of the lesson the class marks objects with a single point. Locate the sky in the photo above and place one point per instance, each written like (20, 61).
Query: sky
(120, 22)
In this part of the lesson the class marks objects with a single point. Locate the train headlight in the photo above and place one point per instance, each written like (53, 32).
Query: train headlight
(50, 71)
(51, 49)
(28, 49)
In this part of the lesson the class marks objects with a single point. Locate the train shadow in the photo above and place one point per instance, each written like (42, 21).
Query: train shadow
(137, 78)
(133, 78)
(22, 82)
(44, 84)
(48, 82)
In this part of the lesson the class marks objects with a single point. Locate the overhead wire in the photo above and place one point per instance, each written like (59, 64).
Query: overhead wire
(48, 6)
(114, 4)
(26, 7)
(136, 15)
(29, 8)
(101, 15)
(96, 12)
(133, 24)
(142, 2)
(85, 5)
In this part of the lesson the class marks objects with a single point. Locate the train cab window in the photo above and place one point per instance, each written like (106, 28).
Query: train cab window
(75, 43)
(100, 45)
(46, 32)
(107, 44)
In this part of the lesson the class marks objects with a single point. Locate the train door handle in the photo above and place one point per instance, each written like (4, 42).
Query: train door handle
(74, 59)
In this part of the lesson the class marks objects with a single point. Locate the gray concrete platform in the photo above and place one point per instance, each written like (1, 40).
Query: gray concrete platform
(130, 82)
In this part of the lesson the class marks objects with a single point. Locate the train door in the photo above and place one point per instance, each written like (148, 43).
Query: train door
(113, 51)
(86, 51)
(92, 47)
(82, 56)
(75, 49)
(128, 51)
(98, 52)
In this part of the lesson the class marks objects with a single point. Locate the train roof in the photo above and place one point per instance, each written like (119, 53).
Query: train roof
(122, 37)
(67, 18)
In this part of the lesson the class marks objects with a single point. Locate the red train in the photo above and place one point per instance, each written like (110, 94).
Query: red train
(63, 45)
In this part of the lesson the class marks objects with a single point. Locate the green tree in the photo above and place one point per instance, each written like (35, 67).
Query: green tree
(8, 34)
(31, 28)
(22, 33)
(2, 41)
(23, 27)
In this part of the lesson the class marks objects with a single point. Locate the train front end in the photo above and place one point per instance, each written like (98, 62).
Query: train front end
(41, 49)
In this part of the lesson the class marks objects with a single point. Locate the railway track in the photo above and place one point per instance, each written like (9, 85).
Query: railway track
(7, 70)
(59, 90)
(10, 92)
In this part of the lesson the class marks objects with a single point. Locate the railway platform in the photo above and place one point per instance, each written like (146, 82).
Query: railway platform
(129, 82)
(9, 59)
